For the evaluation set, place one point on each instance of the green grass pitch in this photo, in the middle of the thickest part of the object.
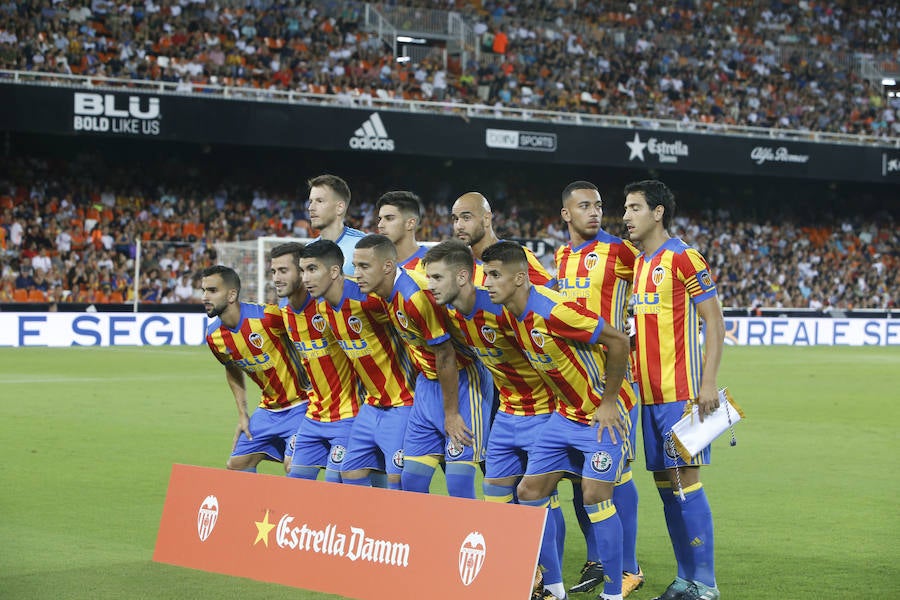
(806, 505)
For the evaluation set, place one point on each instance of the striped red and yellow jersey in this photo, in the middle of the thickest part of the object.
(334, 387)
(560, 340)
(598, 275)
(414, 262)
(260, 347)
(421, 323)
(522, 391)
(537, 274)
(667, 287)
(363, 330)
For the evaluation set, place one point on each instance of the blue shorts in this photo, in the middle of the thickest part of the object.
(511, 438)
(426, 434)
(376, 439)
(573, 448)
(319, 444)
(272, 432)
(656, 422)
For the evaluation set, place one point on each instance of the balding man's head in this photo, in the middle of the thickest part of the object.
(471, 214)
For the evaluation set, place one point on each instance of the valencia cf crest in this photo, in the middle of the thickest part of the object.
(256, 340)
(705, 279)
(355, 325)
(318, 323)
(538, 338)
(471, 557)
(488, 334)
(207, 517)
(658, 275)
(591, 260)
(401, 318)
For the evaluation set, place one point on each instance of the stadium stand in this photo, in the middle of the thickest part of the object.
(800, 65)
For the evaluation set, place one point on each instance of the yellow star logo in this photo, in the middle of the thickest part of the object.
(262, 530)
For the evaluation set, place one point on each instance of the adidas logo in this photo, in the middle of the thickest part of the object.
(372, 136)
(696, 542)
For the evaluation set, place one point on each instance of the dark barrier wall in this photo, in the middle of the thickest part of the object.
(194, 118)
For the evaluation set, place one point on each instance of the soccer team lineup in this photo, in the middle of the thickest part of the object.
(385, 360)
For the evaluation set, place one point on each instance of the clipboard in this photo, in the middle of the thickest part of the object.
(690, 436)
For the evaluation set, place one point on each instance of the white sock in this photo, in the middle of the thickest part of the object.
(557, 589)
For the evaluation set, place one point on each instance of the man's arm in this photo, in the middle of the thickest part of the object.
(607, 414)
(711, 313)
(235, 378)
(448, 376)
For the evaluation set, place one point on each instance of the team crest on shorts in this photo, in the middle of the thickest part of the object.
(489, 334)
(318, 323)
(454, 449)
(401, 318)
(337, 454)
(669, 449)
(256, 340)
(538, 338)
(591, 260)
(398, 459)
(293, 443)
(471, 557)
(355, 325)
(207, 517)
(658, 275)
(601, 462)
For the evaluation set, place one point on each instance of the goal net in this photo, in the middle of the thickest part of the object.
(250, 259)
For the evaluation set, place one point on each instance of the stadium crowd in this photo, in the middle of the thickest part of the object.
(66, 238)
(779, 64)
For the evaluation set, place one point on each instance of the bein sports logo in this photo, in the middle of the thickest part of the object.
(471, 557)
(207, 517)
(511, 139)
(109, 113)
(372, 136)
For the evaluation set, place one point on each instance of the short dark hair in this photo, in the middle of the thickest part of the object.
(507, 253)
(575, 186)
(381, 244)
(656, 193)
(407, 202)
(326, 251)
(295, 249)
(337, 185)
(229, 276)
(454, 252)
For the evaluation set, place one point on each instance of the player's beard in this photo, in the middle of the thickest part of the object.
(476, 236)
(216, 310)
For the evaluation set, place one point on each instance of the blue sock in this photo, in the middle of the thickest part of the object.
(332, 476)
(584, 522)
(364, 481)
(249, 470)
(556, 514)
(394, 485)
(379, 479)
(675, 523)
(698, 525)
(607, 529)
(502, 494)
(625, 497)
(417, 473)
(549, 556)
(299, 472)
(461, 479)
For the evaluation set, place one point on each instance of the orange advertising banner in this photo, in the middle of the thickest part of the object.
(365, 543)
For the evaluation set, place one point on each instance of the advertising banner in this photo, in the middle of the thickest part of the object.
(771, 331)
(366, 543)
(144, 117)
(102, 329)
